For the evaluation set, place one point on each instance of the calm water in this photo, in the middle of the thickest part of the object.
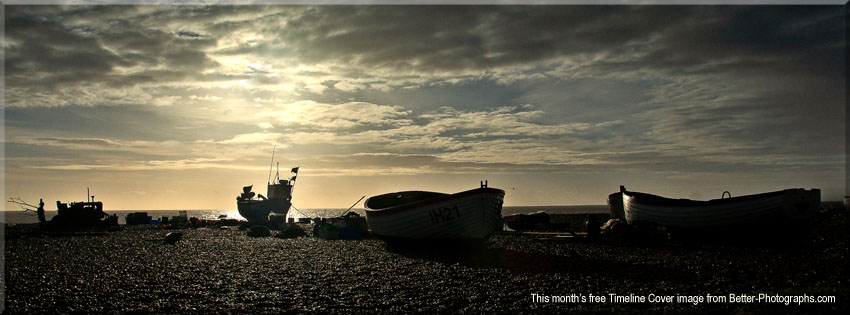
(18, 217)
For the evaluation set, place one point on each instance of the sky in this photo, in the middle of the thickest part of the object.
(178, 107)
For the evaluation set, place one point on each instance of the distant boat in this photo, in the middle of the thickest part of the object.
(278, 199)
(81, 215)
(471, 215)
(779, 206)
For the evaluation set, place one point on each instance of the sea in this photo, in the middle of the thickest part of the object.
(24, 217)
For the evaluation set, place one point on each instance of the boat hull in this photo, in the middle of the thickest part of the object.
(469, 216)
(257, 211)
(780, 206)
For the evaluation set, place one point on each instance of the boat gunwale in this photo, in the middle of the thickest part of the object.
(418, 204)
(655, 200)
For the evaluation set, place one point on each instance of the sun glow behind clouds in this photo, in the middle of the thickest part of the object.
(335, 116)
(604, 95)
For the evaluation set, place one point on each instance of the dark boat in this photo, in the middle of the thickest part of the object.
(257, 210)
(787, 205)
(278, 199)
(81, 216)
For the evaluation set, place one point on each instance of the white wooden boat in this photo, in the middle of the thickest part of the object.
(471, 215)
(787, 205)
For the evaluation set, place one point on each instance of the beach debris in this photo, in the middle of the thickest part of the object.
(615, 230)
(528, 221)
(291, 230)
(179, 221)
(325, 229)
(615, 226)
(353, 226)
(259, 231)
(172, 237)
(137, 218)
(350, 226)
(556, 238)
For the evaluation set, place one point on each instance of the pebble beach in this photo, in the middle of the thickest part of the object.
(223, 270)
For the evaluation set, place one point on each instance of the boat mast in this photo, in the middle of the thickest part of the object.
(270, 168)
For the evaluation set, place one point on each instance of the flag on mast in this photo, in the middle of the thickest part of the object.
(295, 169)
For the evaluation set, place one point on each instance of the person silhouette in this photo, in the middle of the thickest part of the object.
(40, 211)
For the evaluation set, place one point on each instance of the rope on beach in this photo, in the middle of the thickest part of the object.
(296, 210)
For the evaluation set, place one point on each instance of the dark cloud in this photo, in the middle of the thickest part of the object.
(529, 34)
(802, 40)
(188, 34)
(43, 53)
(147, 76)
(188, 59)
(758, 31)
(38, 47)
(453, 38)
(428, 39)
(128, 36)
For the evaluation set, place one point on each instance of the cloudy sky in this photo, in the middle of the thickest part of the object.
(178, 107)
